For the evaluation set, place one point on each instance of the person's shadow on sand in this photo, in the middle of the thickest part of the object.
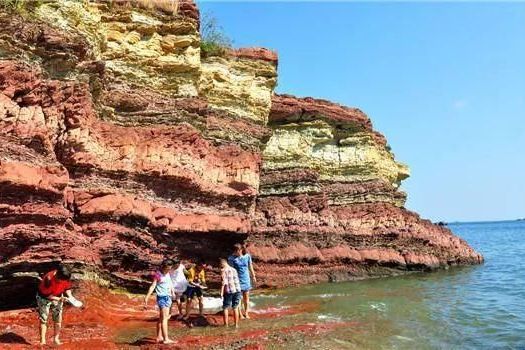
(144, 341)
(12, 338)
(198, 321)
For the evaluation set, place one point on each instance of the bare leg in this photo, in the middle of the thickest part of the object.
(225, 317)
(188, 308)
(43, 330)
(179, 306)
(201, 306)
(159, 328)
(56, 338)
(165, 312)
(236, 317)
(246, 303)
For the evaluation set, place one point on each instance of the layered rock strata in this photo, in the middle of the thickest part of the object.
(120, 145)
(117, 150)
(330, 207)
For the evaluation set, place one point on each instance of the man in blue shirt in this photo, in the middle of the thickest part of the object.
(241, 261)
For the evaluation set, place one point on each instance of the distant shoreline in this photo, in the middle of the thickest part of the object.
(483, 222)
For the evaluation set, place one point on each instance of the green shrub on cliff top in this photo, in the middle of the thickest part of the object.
(214, 41)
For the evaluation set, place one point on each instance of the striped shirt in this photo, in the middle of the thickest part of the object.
(230, 280)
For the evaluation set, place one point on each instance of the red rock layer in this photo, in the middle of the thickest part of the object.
(112, 177)
(288, 108)
(113, 194)
(257, 53)
(340, 230)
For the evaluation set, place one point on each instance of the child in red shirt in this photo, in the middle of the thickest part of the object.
(50, 297)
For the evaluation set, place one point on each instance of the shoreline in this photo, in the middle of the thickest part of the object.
(119, 321)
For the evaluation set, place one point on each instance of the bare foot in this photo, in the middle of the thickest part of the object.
(57, 340)
(43, 342)
(246, 316)
(160, 340)
(168, 341)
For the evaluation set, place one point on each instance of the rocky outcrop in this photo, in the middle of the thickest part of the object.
(330, 207)
(120, 145)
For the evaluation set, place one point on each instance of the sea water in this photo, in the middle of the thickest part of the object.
(474, 307)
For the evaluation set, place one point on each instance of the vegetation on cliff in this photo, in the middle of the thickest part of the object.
(214, 42)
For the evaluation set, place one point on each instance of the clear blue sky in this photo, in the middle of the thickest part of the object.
(445, 82)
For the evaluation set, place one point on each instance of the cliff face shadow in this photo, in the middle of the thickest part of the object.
(12, 338)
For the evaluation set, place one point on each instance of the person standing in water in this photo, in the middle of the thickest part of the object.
(50, 297)
(241, 261)
(230, 292)
(163, 287)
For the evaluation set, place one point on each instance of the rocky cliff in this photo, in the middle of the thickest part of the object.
(121, 144)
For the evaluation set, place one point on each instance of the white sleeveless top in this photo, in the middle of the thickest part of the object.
(180, 283)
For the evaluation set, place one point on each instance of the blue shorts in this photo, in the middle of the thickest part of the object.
(164, 301)
(231, 300)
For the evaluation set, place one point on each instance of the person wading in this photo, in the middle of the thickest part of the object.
(163, 287)
(241, 261)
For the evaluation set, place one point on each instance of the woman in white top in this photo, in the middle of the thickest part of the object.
(180, 283)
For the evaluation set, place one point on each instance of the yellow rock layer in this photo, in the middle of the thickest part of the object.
(161, 53)
(337, 155)
(241, 86)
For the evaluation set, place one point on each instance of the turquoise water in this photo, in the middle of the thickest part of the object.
(478, 307)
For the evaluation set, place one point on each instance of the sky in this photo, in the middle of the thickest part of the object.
(444, 82)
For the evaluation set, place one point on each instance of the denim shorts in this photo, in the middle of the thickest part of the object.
(231, 300)
(164, 301)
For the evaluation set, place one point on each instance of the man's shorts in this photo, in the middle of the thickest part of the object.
(163, 301)
(45, 305)
(231, 300)
(179, 297)
(192, 292)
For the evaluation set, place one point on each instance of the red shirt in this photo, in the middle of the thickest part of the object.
(52, 286)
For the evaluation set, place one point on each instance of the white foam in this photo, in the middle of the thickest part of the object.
(211, 303)
(400, 337)
(381, 307)
(215, 304)
(270, 310)
(329, 318)
(269, 296)
(331, 295)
